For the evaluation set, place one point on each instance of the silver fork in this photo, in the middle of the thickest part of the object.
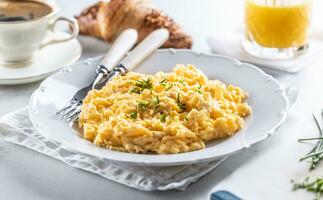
(152, 42)
(118, 50)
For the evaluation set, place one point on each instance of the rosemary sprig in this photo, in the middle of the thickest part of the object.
(315, 186)
(316, 154)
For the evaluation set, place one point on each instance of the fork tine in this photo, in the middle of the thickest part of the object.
(73, 111)
(63, 109)
(74, 117)
(70, 109)
(60, 111)
(71, 114)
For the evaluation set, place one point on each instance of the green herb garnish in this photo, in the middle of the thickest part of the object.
(181, 81)
(163, 117)
(314, 157)
(199, 89)
(142, 105)
(155, 102)
(170, 85)
(315, 186)
(135, 90)
(163, 82)
(144, 84)
(181, 105)
(316, 154)
(141, 85)
(133, 115)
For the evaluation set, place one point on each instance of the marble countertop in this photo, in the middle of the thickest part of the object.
(261, 172)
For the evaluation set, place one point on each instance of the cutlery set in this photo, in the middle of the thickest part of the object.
(111, 65)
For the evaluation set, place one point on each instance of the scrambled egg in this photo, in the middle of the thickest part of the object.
(163, 113)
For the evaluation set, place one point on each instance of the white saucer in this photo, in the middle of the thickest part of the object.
(229, 44)
(49, 60)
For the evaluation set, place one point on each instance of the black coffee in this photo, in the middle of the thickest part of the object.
(11, 11)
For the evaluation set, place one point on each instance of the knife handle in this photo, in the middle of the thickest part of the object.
(119, 48)
(152, 42)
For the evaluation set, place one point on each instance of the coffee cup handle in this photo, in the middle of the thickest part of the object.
(74, 26)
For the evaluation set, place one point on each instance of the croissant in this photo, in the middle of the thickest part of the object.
(106, 20)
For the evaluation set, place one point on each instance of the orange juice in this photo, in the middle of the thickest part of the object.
(278, 26)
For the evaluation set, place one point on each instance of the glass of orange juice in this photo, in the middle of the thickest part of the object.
(277, 29)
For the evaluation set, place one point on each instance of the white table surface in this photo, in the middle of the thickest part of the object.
(262, 172)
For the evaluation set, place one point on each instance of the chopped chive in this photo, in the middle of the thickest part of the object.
(164, 81)
(143, 105)
(163, 117)
(315, 186)
(181, 105)
(135, 90)
(133, 115)
(199, 89)
(316, 154)
(156, 102)
(144, 84)
(306, 139)
(170, 85)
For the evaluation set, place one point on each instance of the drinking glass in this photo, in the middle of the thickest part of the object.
(277, 29)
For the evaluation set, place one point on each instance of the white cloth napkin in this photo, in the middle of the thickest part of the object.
(230, 44)
(16, 128)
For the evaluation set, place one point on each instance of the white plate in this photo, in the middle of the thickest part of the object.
(48, 60)
(267, 100)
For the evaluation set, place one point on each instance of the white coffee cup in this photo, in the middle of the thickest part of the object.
(21, 40)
